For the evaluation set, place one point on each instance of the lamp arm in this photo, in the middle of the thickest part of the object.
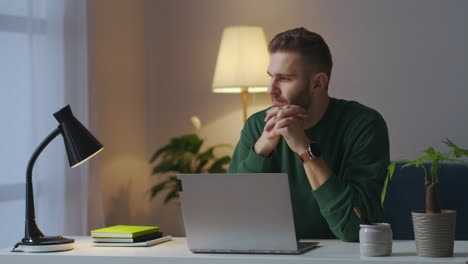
(31, 229)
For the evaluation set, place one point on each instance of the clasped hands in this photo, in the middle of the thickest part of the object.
(283, 121)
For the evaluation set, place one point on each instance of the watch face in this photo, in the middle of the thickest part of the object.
(314, 149)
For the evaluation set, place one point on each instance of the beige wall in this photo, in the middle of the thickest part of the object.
(405, 59)
(118, 74)
(155, 59)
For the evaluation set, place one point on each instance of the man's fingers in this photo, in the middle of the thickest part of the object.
(284, 122)
(285, 111)
(279, 131)
(302, 116)
(270, 124)
(288, 112)
(298, 109)
(278, 122)
(270, 136)
(284, 126)
(271, 113)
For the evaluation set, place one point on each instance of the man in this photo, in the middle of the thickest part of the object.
(335, 152)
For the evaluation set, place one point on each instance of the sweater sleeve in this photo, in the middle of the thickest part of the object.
(359, 182)
(245, 160)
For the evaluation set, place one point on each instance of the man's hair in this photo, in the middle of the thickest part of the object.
(308, 44)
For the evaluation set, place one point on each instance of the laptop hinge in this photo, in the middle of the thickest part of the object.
(179, 185)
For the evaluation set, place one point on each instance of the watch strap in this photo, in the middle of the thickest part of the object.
(305, 156)
(308, 153)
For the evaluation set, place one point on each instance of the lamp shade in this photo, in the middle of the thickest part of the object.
(242, 61)
(80, 144)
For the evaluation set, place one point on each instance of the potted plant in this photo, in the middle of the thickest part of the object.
(183, 155)
(434, 229)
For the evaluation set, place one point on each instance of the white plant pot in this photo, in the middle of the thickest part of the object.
(434, 233)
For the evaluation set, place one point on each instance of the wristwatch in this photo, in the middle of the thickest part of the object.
(312, 152)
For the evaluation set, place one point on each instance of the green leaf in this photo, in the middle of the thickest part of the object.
(200, 166)
(170, 183)
(159, 152)
(186, 143)
(434, 168)
(171, 195)
(181, 155)
(390, 171)
(158, 188)
(458, 152)
(189, 143)
(432, 158)
(166, 166)
(218, 165)
(207, 155)
(417, 163)
(431, 153)
(223, 146)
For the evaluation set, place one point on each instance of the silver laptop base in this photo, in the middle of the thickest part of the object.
(302, 248)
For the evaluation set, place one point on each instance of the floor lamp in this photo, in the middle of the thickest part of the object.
(242, 63)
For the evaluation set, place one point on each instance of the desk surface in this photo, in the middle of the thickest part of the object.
(176, 251)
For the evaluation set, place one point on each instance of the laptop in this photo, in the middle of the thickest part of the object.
(239, 213)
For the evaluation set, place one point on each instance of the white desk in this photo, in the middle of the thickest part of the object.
(330, 252)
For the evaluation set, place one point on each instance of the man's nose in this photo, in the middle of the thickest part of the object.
(273, 88)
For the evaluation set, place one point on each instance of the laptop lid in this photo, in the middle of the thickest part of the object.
(238, 212)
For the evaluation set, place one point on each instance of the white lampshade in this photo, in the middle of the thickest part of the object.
(242, 61)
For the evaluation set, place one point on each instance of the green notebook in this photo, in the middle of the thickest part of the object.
(124, 231)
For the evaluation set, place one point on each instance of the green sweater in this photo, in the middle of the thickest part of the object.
(354, 142)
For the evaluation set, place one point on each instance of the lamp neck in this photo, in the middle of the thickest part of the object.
(245, 101)
(31, 228)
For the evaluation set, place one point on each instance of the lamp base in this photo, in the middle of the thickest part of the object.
(47, 244)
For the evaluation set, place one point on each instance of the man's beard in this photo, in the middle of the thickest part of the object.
(302, 99)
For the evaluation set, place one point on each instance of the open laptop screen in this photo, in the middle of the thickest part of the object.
(238, 213)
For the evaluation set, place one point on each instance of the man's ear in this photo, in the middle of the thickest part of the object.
(320, 81)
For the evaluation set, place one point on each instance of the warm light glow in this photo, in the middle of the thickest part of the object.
(83, 161)
(239, 90)
(242, 61)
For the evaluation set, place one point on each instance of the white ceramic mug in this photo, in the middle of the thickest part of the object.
(375, 240)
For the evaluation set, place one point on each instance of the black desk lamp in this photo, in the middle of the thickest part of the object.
(81, 145)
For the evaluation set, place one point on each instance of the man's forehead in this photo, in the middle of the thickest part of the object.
(282, 62)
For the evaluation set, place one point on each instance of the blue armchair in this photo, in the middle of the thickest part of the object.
(406, 192)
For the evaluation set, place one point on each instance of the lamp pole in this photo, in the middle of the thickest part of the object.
(245, 101)
(32, 234)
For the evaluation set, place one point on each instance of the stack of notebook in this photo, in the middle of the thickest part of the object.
(128, 236)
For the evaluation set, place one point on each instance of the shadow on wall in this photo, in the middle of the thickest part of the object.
(167, 216)
(120, 212)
